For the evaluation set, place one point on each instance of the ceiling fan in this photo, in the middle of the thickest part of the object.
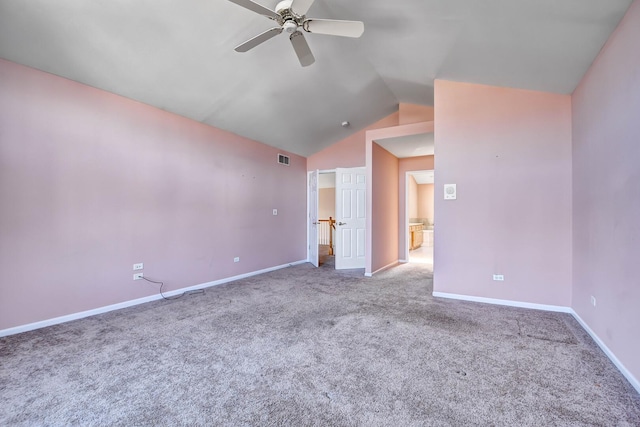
(291, 18)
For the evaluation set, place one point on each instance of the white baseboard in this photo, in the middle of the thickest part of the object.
(545, 307)
(628, 375)
(125, 304)
(557, 308)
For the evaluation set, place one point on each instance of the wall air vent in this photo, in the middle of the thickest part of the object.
(283, 160)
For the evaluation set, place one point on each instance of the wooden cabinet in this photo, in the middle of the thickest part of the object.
(415, 231)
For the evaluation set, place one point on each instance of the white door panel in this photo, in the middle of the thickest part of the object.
(351, 191)
(313, 218)
(361, 233)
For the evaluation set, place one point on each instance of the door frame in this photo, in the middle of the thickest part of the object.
(312, 256)
(320, 171)
(406, 211)
(370, 137)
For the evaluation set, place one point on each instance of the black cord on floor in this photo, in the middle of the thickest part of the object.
(200, 291)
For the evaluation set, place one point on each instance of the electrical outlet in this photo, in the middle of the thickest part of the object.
(275, 211)
(498, 277)
(593, 300)
(236, 259)
(138, 266)
(138, 276)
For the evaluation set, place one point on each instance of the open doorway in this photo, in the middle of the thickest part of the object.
(342, 212)
(414, 147)
(420, 216)
(326, 218)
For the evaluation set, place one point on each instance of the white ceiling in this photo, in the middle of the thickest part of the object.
(178, 56)
(409, 146)
(423, 177)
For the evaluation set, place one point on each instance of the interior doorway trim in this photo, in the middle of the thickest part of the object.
(370, 137)
(407, 235)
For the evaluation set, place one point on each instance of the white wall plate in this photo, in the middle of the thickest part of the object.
(450, 191)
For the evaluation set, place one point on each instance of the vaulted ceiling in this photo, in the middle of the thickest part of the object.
(179, 56)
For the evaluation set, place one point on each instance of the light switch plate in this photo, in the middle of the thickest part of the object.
(450, 192)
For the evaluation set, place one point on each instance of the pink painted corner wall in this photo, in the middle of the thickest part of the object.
(349, 152)
(407, 165)
(425, 205)
(411, 113)
(509, 152)
(326, 203)
(91, 183)
(606, 194)
(384, 211)
(412, 202)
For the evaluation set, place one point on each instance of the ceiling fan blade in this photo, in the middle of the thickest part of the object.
(257, 8)
(302, 49)
(334, 28)
(260, 38)
(301, 7)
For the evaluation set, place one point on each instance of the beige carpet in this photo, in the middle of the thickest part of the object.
(304, 346)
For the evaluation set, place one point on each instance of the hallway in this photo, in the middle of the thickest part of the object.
(422, 255)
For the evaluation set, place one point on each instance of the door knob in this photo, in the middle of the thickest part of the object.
(342, 223)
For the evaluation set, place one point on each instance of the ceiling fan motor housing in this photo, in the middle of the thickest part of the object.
(291, 21)
(284, 7)
(290, 26)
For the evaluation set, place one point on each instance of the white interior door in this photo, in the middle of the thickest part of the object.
(313, 218)
(351, 218)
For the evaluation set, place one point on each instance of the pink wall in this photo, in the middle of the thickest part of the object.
(326, 203)
(91, 183)
(384, 211)
(425, 201)
(606, 194)
(411, 113)
(413, 197)
(404, 166)
(509, 152)
(349, 152)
